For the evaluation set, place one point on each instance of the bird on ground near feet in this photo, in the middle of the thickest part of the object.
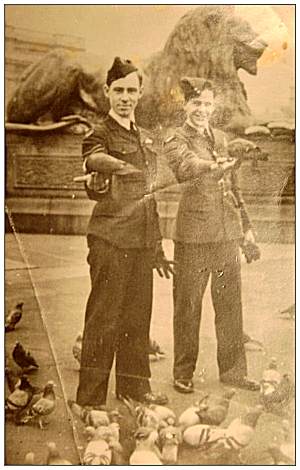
(44, 406)
(14, 317)
(23, 358)
(54, 457)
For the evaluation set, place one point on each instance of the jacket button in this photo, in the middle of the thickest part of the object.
(146, 163)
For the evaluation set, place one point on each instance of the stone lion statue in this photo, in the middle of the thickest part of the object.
(209, 41)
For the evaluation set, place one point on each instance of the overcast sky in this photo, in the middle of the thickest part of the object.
(138, 31)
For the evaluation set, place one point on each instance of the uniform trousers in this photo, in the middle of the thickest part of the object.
(195, 263)
(117, 322)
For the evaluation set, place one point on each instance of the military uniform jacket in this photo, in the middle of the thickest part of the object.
(126, 215)
(211, 208)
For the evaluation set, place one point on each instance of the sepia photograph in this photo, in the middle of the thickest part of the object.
(149, 239)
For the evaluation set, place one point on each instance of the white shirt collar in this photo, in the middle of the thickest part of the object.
(124, 122)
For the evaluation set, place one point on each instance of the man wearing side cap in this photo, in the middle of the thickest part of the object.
(124, 243)
(211, 223)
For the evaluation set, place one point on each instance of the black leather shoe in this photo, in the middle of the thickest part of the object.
(244, 383)
(183, 386)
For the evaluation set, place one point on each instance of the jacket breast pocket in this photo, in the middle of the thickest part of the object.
(123, 150)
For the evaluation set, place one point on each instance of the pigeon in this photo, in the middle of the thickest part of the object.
(170, 437)
(11, 378)
(252, 344)
(111, 435)
(146, 451)
(240, 431)
(30, 458)
(277, 390)
(77, 348)
(54, 457)
(271, 375)
(164, 413)
(216, 413)
(245, 150)
(94, 418)
(147, 418)
(23, 358)
(117, 450)
(19, 399)
(235, 437)
(280, 396)
(202, 435)
(290, 311)
(154, 351)
(190, 416)
(98, 451)
(44, 406)
(14, 317)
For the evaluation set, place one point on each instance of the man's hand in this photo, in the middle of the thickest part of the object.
(228, 164)
(223, 164)
(161, 263)
(249, 248)
(94, 181)
(249, 237)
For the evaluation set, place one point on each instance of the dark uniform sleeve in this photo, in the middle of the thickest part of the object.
(185, 164)
(246, 223)
(236, 190)
(153, 233)
(95, 142)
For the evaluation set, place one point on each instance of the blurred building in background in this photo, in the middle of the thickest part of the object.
(24, 46)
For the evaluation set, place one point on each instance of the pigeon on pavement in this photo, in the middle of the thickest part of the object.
(14, 317)
(54, 457)
(170, 437)
(216, 413)
(11, 378)
(20, 398)
(44, 406)
(23, 358)
(30, 458)
(190, 416)
(146, 451)
(98, 451)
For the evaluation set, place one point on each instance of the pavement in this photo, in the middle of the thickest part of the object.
(50, 274)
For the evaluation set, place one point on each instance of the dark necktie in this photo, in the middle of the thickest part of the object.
(133, 127)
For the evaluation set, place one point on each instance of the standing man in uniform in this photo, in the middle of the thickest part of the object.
(211, 223)
(124, 243)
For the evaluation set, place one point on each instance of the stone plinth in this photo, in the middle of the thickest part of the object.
(41, 196)
(43, 165)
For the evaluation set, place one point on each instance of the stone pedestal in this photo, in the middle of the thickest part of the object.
(41, 196)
